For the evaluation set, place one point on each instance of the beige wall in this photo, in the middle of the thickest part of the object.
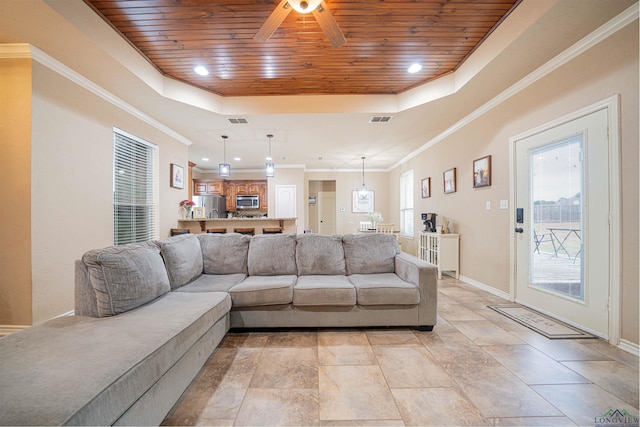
(72, 183)
(15, 193)
(605, 70)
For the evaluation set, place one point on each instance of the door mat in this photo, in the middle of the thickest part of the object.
(544, 325)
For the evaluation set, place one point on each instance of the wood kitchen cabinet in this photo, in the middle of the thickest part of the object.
(246, 188)
(205, 187)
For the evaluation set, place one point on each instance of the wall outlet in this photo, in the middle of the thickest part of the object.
(504, 204)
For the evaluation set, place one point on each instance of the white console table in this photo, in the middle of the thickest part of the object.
(442, 250)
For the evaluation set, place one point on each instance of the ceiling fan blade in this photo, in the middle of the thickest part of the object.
(329, 25)
(273, 22)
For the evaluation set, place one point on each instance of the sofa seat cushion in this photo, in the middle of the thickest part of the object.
(370, 253)
(384, 289)
(125, 277)
(224, 253)
(213, 283)
(272, 255)
(182, 257)
(89, 371)
(263, 290)
(319, 254)
(324, 290)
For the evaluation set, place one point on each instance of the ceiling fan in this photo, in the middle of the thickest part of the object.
(319, 10)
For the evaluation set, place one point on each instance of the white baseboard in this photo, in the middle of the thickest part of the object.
(485, 287)
(629, 347)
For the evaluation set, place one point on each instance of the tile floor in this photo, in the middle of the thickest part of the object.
(477, 367)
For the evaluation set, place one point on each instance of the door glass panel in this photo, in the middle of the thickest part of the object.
(557, 218)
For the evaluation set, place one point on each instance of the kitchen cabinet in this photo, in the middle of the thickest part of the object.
(246, 188)
(205, 187)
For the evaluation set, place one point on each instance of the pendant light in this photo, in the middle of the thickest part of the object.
(224, 169)
(269, 167)
(363, 189)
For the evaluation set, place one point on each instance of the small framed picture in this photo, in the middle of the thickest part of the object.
(426, 188)
(482, 172)
(363, 202)
(449, 181)
(177, 176)
(199, 212)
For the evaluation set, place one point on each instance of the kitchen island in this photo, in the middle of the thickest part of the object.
(287, 225)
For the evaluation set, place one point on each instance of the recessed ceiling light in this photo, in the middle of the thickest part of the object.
(237, 159)
(205, 159)
(201, 70)
(414, 68)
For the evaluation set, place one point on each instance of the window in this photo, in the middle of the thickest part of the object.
(406, 204)
(135, 195)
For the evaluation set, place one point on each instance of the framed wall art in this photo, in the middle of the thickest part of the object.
(426, 188)
(177, 176)
(482, 172)
(449, 181)
(363, 202)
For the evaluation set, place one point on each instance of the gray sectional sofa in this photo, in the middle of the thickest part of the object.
(149, 315)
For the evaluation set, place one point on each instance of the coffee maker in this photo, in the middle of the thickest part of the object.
(429, 221)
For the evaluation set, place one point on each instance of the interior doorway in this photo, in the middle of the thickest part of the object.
(322, 206)
(565, 195)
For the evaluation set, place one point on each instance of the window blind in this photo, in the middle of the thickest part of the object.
(406, 204)
(135, 195)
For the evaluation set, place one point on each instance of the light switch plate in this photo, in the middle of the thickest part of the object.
(342, 209)
(504, 204)
(487, 206)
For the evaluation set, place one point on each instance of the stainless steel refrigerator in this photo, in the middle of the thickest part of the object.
(214, 206)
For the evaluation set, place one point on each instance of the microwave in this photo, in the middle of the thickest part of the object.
(247, 202)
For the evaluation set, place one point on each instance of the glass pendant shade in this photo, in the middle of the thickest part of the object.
(224, 169)
(269, 167)
(362, 189)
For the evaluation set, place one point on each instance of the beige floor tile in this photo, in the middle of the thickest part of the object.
(615, 377)
(562, 350)
(395, 337)
(453, 312)
(245, 339)
(411, 367)
(355, 393)
(533, 366)
(197, 422)
(436, 407)
(455, 348)
(533, 422)
(287, 368)
(615, 353)
(497, 393)
(277, 407)
(582, 402)
(484, 332)
(362, 423)
(344, 348)
(293, 339)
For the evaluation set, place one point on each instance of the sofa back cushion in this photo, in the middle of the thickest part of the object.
(224, 253)
(370, 253)
(272, 255)
(182, 257)
(318, 254)
(126, 277)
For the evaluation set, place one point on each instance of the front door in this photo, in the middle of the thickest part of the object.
(562, 221)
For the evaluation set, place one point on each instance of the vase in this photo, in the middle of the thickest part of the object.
(186, 213)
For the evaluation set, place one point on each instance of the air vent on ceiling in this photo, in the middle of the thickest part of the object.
(239, 121)
(380, 119)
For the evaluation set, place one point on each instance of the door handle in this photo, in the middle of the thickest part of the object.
(519, 230)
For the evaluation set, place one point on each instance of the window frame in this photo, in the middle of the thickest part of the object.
(135, 201)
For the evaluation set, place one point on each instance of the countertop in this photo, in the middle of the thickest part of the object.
(262, 218)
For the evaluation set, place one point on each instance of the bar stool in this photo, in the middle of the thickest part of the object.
(243, 230)
(176, 231)
(221, 230)
(272, 230)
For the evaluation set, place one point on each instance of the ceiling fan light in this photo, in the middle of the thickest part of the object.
(304, 6)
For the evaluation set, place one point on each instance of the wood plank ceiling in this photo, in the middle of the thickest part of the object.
(384, 37)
